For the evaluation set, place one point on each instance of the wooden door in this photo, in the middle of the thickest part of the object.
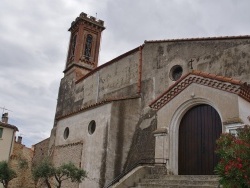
(199, 129)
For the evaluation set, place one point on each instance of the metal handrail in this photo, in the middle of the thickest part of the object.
(141, 162)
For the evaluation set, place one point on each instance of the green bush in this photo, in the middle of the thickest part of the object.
(234, 165)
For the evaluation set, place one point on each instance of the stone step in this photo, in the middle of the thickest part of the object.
(172, 186)
(180, 182)
(183, 177)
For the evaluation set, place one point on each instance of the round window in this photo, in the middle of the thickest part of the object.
(92, 126)
(176, 72)
(66, 133)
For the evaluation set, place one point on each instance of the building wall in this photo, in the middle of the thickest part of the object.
(225, 57)
(68, 153)
(121, 132)
(6, 143)
(124, 132)
(81, 147)
(220, 100)
(40, 151)
(21, 162)
(113, 146)
(244, 107)
(118, 80)
(229, 106)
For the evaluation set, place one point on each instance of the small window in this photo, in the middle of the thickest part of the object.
(176, 72)
(66, 133)
(92, 126)
(73, 46)
(233, 128)
(1, 132)
(88, 46)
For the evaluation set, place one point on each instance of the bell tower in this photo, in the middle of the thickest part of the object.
(84, 45)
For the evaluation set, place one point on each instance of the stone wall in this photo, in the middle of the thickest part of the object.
(65, 154)
(117, 80)
(21, 162)
(40, 151)
(124, 126)
(225, 57)
(120, 77)
(82, 146)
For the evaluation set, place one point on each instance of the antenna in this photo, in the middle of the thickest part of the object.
(96, 15)
(4, 109)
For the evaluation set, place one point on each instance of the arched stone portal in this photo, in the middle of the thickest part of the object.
(199, 129)
(173, 141)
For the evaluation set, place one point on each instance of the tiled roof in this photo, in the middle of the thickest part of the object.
(8, 126)
(211, 80)
(105, 101)
(200, 39)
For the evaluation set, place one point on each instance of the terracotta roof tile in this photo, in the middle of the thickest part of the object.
(200, 39)
(211, 80)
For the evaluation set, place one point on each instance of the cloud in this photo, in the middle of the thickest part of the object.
(34, 42)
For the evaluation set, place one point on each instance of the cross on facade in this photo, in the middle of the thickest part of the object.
(190, 63)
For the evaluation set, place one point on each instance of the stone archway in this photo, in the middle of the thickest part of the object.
(199, 129)
(174, 129)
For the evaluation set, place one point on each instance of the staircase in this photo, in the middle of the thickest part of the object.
(180, 181)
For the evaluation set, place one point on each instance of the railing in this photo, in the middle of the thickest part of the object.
(142, 162)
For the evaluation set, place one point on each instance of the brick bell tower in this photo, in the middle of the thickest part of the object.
(84, 45)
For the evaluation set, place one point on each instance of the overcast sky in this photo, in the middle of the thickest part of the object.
(34, 41)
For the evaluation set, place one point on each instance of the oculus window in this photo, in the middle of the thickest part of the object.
(92, 127)
(176, 72)
(66, 133)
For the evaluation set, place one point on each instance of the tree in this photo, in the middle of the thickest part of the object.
(6, 174)
(46, 172)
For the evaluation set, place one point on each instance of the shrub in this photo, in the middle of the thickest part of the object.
(234, 165)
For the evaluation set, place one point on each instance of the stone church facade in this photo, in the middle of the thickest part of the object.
(166, 101)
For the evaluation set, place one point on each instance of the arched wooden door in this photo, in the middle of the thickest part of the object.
(199, 129)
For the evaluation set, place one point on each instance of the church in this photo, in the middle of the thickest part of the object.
(164, 103)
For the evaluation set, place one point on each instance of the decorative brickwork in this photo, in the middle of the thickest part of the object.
(218, 82)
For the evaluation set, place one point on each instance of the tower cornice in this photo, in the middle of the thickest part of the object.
(88, 20)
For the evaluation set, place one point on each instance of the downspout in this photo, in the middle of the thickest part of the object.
(12, 140)
(139, 70)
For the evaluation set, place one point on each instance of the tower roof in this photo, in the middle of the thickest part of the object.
(83, 17)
